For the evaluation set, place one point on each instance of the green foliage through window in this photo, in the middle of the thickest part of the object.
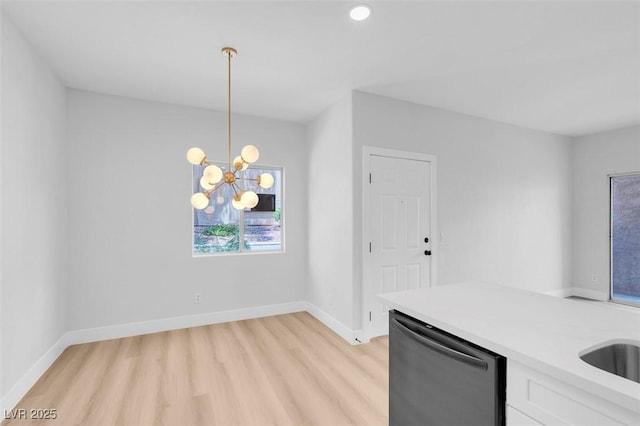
(221, 230)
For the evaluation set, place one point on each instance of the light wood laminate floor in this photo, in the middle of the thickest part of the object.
(285, 370)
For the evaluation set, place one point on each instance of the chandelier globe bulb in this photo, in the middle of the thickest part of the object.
(249, 199)
(240, 164)
(204, 183)
(265, 180)
(212, 173)
(237, 202)
(250, 154)
(196, 156)
(199, 200)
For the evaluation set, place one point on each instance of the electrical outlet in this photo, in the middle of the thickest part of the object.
(594, 277)
(197, 298)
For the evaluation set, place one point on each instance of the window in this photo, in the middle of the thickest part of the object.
(625, 239)
(220, 228)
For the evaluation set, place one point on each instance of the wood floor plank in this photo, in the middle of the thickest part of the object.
(281, 370)
(364, 389)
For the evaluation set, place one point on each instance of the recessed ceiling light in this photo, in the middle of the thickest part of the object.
(360, 12)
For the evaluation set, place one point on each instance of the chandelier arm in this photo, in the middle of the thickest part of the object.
(215, 188)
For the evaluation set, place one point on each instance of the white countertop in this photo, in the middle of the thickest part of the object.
(543, 332)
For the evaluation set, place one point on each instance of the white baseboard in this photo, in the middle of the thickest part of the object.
(339, 328)
(145, 327)
(74, 337)
(590, 294)
(563, 292)
(19, 390)
(579, 292)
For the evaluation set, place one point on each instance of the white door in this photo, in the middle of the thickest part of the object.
(397, 228)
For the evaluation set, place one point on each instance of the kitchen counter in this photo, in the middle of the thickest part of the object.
(543, 332)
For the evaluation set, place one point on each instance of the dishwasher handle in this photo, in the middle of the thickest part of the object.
(446, 350)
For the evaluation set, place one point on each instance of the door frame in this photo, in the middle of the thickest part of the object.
(367, 153)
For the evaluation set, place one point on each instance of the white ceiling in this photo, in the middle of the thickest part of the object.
(563, 67)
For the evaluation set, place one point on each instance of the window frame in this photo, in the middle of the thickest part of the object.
(242, 252)
(612, 298)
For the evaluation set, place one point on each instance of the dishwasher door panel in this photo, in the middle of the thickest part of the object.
(440, 380)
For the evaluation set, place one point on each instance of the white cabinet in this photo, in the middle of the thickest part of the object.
(537, 398)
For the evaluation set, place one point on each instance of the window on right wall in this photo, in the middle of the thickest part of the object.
(625, 238)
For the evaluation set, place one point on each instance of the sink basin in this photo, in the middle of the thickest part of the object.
(622, 359)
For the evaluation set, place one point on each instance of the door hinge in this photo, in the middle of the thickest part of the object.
(369, 316)
(369, 177)
(369, 246)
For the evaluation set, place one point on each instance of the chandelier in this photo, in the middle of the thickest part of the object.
(213, 177)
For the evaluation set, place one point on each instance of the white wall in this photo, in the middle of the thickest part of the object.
(33, 243)
(594, 158)
(504, 192)
(331, 219)
(130, 234)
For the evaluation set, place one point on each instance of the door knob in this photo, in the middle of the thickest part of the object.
(427, 252)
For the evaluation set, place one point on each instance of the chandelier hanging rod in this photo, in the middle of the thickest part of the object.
(229, 52)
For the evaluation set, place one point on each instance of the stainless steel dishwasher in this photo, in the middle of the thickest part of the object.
(438, 379)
